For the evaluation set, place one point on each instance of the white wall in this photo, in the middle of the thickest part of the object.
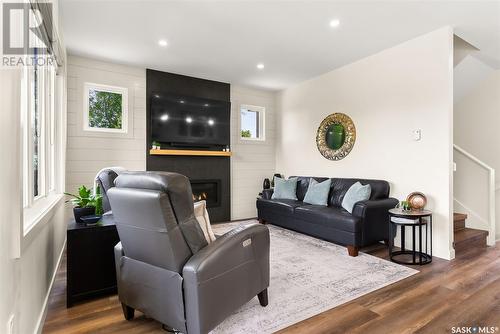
(388, 95)
(476, 120)
(88, 152)
(252, 161)
(27, 263)
(10, 195)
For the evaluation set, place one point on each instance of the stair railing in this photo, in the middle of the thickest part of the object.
(491, 191)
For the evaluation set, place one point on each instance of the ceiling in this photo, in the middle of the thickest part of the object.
(226, 40)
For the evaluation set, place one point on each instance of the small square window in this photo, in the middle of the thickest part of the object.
(106, 108)
(252, 123)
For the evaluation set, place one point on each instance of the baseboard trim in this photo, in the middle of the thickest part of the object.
(43, 313)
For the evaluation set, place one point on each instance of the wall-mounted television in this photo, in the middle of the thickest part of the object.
(189, 121)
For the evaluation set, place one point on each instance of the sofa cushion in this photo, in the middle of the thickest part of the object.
(279, 206)
(317, 193)
(285, 189)
(380, 189)
(356, 193)
(330, 217)
(303, 184)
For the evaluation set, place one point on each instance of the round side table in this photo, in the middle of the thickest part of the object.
(420, 220)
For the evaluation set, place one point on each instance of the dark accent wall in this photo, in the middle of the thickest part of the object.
(194, 167)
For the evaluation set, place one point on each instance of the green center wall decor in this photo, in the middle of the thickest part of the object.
(336, 136)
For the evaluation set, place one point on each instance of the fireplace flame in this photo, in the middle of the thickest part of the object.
(200, 197)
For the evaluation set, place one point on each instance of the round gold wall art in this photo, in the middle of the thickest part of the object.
(336, 136)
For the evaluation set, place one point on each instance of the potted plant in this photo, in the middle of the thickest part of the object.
(86, 203)
(156, 145)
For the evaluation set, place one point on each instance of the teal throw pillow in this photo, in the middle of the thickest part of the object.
(317, 193)
(285, 189)
(355, 194)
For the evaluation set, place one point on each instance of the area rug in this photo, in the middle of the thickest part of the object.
(308, 276)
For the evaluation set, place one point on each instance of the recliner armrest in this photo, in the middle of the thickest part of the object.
(364, 208)
(240, 245)
(227, 273)
(267, 193)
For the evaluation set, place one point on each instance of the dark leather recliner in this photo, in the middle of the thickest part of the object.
(106, 181)
(368, 223)
(163, 263)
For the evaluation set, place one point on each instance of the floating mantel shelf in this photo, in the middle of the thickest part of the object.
(191, 152)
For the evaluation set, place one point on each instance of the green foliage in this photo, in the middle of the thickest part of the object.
(246, 134)
(85, 198)
(105, 110)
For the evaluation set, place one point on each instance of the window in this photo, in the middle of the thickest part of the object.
(39, 123)
(252, 123)
(105, 108)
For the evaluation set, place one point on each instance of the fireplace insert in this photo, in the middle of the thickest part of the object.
(208, 190)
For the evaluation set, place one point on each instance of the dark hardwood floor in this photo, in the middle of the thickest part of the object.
(464, 292)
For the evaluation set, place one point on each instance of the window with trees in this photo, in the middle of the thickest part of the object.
(105, 108)
(252, 122)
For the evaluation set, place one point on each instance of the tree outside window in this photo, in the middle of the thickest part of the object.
(252, 122)
(106, 108)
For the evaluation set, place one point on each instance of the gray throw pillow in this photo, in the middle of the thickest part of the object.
(285, 189)
(317, 193)
(355, 194)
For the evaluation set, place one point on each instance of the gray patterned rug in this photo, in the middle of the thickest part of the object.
(308, 276)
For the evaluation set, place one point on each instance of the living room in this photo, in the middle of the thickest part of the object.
(250, 167)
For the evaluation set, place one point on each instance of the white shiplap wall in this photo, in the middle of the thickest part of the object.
(252, 161)
(88, 152)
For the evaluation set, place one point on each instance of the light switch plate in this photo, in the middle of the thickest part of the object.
(417, 134)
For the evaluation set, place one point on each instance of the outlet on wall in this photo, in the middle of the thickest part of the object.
(10, 325)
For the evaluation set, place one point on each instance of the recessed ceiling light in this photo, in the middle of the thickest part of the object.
(181, 101)
(164, 117)
(162, 42)
(260, 66)
(334, 23)
(189, 119)
(206, 105)
(211, 122)
(157, 96)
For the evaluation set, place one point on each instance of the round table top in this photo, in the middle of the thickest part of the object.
(409, 214)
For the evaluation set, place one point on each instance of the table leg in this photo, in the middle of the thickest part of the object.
(402, 238)
(430, 222)
(426, 237)
(420, 242)
(414, 248)
(391, 239)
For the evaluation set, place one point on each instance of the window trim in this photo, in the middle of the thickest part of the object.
(262, 123)
(123, 91)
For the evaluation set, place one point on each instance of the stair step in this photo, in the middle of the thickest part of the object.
(459, 221)
(469, 238)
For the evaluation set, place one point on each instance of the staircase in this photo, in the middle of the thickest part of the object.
(467, 238)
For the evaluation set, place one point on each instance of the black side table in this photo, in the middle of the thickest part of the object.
(91, 260)
(415, 220)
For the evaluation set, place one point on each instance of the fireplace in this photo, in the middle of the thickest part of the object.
(208, 190)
